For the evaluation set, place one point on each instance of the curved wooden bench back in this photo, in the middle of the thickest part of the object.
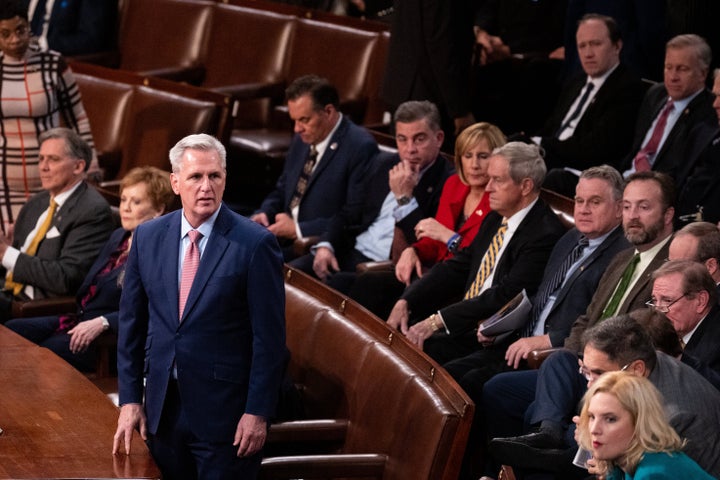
(397, 401)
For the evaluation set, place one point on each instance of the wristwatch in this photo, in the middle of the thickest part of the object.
(404, 200)
(454, 243)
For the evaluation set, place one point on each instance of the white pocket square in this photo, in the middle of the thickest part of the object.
(52, 233)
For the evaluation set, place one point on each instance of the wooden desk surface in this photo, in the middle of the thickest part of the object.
(56, 423)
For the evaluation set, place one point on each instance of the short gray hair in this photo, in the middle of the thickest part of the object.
(609, 175)
(200, 141)
(703, 52)
(416, 110)
(525, 161)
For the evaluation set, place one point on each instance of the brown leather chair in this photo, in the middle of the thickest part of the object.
(166, 38)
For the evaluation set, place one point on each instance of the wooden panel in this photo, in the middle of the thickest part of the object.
(56, 423)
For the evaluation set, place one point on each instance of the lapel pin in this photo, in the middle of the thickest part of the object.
(333, 146)
(479, 212)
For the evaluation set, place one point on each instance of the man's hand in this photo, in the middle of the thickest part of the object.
(420, 332)
(406, 265)
(250, 434)
(493, 48)
(261, 218)
(403, 179)
(399, 316)
(483, 340)
(83, 334)
(520, 349)
(325, 263)
(284, 226)
(131, 418)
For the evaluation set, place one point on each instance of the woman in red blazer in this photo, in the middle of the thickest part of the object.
(463, 204)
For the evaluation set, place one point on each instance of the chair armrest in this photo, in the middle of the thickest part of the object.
(301, 246)
(324, 466)
(308, 430)
(192, 75)
(536, 357)
(383, 266)
(43, 307)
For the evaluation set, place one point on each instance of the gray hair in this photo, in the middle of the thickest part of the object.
(525, 161)
(75, 146)
(609, 175)
(703, 52)
(200, 141)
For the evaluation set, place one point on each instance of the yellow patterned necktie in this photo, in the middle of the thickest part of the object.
(488, 262)
(32, 248)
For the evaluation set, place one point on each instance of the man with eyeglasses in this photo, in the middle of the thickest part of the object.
(686, 293)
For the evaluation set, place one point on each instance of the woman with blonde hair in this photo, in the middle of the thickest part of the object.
(625, 427)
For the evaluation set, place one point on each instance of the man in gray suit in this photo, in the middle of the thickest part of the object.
(621, 343)
(59, 231)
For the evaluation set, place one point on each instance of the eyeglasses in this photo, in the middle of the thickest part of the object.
(591, 376)
(20, 31)
(666, 307)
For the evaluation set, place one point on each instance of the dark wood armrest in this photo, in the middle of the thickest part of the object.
(536, 357)
(384, 266)
(324, 466)
(301, 246)
(308, 430)
(43, 307)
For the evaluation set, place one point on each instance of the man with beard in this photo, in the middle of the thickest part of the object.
(625, 286)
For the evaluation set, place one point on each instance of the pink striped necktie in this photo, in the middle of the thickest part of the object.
(190, 266)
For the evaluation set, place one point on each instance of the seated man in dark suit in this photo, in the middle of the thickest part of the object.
(686, 293)
(322, 183)
(415, 177)
(699, 242)
(508, 255)
(74, 27)
(60, 230)
(593, 120)
(673, 114)
(699, 197)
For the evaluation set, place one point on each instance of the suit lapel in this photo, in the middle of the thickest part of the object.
(169, 262)
(213, 252)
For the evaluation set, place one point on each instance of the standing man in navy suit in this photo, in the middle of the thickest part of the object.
(202, 321)
(321, 186)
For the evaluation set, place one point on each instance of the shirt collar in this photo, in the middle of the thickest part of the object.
(61, 198)
(205, 228)
(321, 146)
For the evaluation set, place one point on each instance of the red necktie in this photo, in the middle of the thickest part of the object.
(190, 266)
(642, 159)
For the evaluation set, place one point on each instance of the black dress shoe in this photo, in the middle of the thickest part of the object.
(538, 451)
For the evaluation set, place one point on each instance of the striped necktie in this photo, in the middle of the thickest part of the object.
(304, 178)
(488, 262)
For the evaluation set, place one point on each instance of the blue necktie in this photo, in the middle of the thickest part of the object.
(36, 25)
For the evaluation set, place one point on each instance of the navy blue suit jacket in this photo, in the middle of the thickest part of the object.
(520, 267)
(682, 138)
(577, 292)
(82, 26)
(229, 348)
(335, 191)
